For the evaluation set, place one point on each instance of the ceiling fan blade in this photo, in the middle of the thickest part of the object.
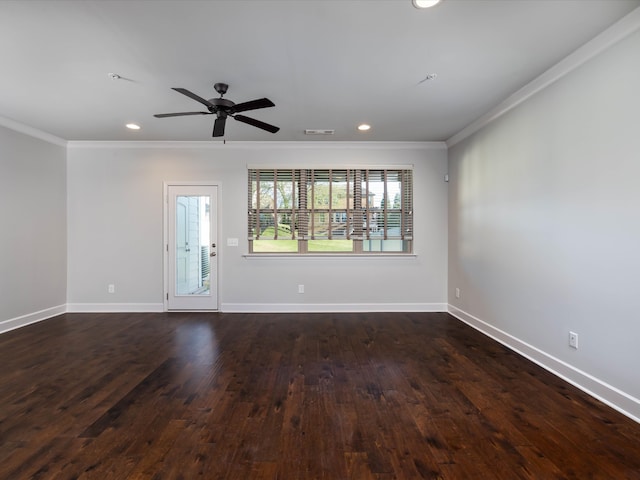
(257, 123)
(253, 105)
(179, 114)
(197, 98)
(218, 126)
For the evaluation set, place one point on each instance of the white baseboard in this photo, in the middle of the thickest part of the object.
(331, 307)
(34, 317)
(608, 394)
(115, 307)
(23, 320)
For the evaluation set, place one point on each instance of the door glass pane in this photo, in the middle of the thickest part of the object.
(193, 245)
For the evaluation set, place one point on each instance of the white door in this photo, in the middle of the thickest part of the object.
(191, 250)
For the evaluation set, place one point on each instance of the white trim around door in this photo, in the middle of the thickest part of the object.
(190, 246)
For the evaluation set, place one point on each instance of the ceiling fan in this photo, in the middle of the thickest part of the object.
(224, 108)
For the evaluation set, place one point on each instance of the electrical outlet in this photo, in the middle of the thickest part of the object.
(111, 288)
(457, 293)
(300, 288)
(573, 340)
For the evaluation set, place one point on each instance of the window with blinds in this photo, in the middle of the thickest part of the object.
(330, 210)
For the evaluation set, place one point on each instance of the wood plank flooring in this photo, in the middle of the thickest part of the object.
(292, 396)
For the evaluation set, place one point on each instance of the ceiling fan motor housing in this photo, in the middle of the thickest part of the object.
(222, 104)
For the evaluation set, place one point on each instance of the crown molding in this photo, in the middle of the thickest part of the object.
(626, 26)
(32, 132)
(260, 145)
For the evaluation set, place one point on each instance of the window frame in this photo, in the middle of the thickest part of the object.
(361, 218)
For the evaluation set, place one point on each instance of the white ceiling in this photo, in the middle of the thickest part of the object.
(326, 64)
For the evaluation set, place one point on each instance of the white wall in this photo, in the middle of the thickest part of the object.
(33, 259)
(544, 226)
(115, 229)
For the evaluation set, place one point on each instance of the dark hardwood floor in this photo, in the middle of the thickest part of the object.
(292, 396)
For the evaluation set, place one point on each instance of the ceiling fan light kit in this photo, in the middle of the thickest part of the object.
(223, 108)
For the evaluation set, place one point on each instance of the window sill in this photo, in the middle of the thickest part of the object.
(332, 255)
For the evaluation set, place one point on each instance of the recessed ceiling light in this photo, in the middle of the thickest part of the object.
(425, 3)
(133, 126)
(364, 127)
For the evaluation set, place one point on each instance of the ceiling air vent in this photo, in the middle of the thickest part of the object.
(310, 131)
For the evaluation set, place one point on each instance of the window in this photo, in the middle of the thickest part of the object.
(302, 211)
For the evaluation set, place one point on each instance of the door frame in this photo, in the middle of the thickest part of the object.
(165, 237)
